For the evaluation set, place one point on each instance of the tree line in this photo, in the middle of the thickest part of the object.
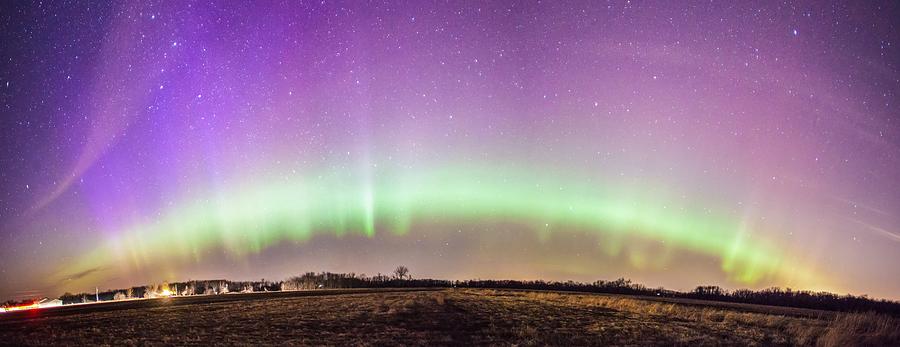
(401, 278)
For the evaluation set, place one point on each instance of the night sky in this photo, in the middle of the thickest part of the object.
(734, 143)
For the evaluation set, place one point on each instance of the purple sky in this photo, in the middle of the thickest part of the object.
(775, 124)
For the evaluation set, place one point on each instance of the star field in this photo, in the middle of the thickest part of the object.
(746, 144)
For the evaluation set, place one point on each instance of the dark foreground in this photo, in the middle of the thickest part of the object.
(438, 317)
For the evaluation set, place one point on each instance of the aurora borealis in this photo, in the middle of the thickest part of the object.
(676, 144)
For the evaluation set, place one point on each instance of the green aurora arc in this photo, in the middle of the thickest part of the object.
(251, 218)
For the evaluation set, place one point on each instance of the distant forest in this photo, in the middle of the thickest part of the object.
(401, 279)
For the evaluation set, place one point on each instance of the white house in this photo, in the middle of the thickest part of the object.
(46, 302)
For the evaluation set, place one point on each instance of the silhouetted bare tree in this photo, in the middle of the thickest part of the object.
(401, 272)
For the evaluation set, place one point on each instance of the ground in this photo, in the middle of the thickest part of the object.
(439, 317)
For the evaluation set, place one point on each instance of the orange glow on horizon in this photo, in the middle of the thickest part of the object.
(32, 306)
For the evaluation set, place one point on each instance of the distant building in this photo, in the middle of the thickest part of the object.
(47, 302)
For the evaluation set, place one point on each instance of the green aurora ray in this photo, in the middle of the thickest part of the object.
(251, 218)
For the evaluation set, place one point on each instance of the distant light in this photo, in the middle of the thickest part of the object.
(795, 32)
(32, 306)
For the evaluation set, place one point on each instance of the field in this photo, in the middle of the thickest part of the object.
(439, 317)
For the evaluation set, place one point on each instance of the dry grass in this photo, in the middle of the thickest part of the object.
(450, 317)
(862, 329)
(841, 329)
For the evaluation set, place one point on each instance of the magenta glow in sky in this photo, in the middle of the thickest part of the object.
(677, 144)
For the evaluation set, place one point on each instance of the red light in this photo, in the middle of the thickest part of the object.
(31, 306)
